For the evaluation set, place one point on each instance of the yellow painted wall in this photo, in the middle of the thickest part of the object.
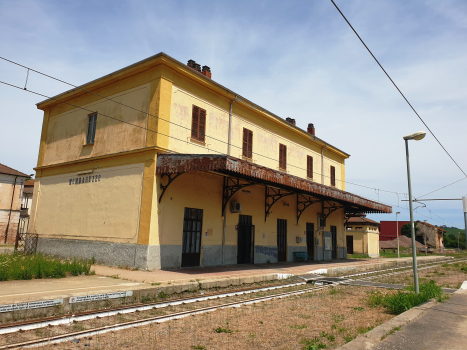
(105, 210)
(66, 132)
(365, 240)
(204, 191)
(266, 136)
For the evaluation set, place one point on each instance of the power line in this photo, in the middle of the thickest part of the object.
(168, 121)
(452, 183)
(393, 83)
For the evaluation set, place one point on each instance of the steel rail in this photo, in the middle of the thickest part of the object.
(156, 319)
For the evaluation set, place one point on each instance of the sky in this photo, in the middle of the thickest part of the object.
(297, 59)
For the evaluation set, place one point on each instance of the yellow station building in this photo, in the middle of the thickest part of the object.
(158, 166)
(362, 236)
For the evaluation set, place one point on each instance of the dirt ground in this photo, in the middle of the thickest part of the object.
(323, 319)
(445, 275)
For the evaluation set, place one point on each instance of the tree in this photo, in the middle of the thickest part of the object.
(407, 231)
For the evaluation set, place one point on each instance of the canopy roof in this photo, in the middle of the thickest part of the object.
(231, 166)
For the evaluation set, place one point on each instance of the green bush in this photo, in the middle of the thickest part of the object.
(405, 300)
(15, 266)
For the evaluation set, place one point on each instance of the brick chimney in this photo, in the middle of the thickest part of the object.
(290, 121)
(193, 65)
(311, 129)
(206, 71)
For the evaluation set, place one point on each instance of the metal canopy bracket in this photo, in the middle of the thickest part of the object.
(272, 196)
(170, 178)
(230, 187)
(304, 202)
(329, 209)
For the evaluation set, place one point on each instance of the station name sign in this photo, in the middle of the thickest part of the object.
(84, 179)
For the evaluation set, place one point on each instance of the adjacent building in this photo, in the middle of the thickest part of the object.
(362, 236)
(26, 202)
(11, 186)
(158, 166)
(426, 234)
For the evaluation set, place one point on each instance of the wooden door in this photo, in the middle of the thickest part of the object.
(281, 240)
(245, 241)
(192, 228)
(310, 240)
(334, 241)
(349, 244)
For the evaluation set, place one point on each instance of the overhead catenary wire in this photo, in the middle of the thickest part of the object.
(168, 121)
(393, 83)
(452, 183)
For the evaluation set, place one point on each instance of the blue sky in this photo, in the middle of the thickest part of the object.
(298, 59)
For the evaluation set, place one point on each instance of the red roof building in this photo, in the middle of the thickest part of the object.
(388, 229)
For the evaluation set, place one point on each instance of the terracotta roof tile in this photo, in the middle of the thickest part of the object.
(29, 183)
(404, 242)
(361, 220)
(10, 171)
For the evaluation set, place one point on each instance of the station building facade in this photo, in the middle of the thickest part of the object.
(158, 166)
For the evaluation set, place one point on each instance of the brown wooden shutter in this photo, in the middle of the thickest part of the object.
(333, 176)
(309, 167)
(202, 124)
(195, 122)
(282, 156)
(245, 142)
(250, 144)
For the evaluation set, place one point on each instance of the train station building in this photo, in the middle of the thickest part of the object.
(158, 166)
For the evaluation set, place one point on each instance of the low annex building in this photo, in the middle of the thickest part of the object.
(158, 166)
(11, 187)
(362, 236)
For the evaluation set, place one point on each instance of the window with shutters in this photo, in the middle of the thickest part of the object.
(333, 176)
(309, 167)
(282, 157)
(247, 143)
(198, 124)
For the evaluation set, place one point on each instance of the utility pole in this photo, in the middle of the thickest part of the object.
(464, 202)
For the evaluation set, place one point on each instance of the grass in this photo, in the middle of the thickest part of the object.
(313, 344)
(404, 300)
(14, 266)
(358, 256)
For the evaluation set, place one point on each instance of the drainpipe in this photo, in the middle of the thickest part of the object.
(322, 162)
(230, 132)
(11, 208)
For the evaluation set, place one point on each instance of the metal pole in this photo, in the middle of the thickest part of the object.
(464, 202)
(397, 233)
(414, 250)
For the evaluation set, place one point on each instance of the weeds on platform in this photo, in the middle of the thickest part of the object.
(14, 266)
(404, 300)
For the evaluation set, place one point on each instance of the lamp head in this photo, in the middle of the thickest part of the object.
(398, 212)
(415, 136)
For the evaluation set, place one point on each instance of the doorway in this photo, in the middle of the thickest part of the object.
(191, 247)
(349, 241)
(281, 240)
(310, 240)
(246, 240)
(334, 241)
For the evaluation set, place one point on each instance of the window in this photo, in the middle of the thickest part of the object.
(309, 167)
(198, 123)
(92, 120)
(282, 156)
(333, 176)
(247, 143)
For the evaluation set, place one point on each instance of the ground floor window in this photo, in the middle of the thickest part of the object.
(192, 227)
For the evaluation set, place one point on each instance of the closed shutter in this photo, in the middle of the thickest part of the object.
(282, 156)
(333, 176)
(247, 143)
(195, 122)
(202, 124)
(309, 167)
(198, 123)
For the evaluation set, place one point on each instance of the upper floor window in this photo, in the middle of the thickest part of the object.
(333, 176)
(282, 156)
(198, 124)
(247, 143)
(309, 167)
(92, 120)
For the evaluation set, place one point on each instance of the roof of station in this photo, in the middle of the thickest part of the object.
(227, 165)
(10, 171)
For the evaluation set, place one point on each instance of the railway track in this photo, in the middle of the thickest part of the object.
(67, 320)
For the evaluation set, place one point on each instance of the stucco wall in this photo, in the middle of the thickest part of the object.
(105, 207)
(204, 191)
(266, 137)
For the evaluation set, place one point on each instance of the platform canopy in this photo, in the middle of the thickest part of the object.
(244, 173)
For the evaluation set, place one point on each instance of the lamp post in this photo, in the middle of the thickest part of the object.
(397, 233)
(415, 136)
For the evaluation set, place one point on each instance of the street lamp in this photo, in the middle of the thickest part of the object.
(397, 233)
(415, 136)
